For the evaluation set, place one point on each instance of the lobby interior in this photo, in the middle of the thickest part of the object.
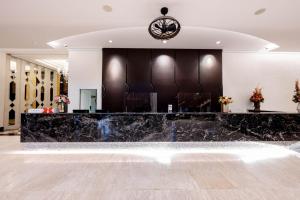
(142, 99)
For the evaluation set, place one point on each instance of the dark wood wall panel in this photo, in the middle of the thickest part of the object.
(163, 78)
(114, 66)
(139, 70)
(163, 65)
(210, 75)
(210, 68)
(114, 79)
(113, 98)
(186, 71)
(164, 71)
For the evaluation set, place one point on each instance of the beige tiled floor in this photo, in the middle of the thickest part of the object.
(208, 175)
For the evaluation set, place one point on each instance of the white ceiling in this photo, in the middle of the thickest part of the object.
(54, 59)
(33, 23)
(188, 38)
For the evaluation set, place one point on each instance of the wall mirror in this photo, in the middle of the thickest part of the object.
(51, 94)
(43, 74)
(27, 90)
(51, 76)
(11, 117)
(88, 100)
(42, 93)
(12, 91)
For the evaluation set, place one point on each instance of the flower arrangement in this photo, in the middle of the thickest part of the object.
(61, 99)
(225, 100)
(257, 96)
(296, 97)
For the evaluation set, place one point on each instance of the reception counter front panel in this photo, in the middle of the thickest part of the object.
(159, 127)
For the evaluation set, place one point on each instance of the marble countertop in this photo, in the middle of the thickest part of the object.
(160, 127)
(173, 113)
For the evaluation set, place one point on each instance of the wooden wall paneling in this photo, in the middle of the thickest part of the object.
(164, 71)
(187, 70)
(163, 78)
(211, 74)
(139, 70)
(114, 79)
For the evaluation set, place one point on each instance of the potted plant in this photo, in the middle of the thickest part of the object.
(257, 98)
(61, 101)
(225, 101)
(296, 97)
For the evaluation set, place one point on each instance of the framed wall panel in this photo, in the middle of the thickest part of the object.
(114, 79)
(163, 78)
(26, 90)
(167, 72)
(139, 70)
(187, 70)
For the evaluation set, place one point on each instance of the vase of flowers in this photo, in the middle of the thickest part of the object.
(225, 101)
(61, 101)
(296, 97)
(257, 98)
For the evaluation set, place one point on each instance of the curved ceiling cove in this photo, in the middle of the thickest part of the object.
(190, 38)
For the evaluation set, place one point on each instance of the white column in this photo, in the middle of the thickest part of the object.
(85, 72)
(2, 86)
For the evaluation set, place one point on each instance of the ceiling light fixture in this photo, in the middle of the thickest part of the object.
(110, 41)
(53, 44)
(107, 8)
(164, 41)
(260, 11)
(271, 46)
(218, 42)
(13, 66)
(27, 68)
(164, 27)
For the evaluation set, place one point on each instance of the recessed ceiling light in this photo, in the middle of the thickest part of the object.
(107, 8)
(218, 42)
(164, 41)
(110, 41)
(27, 68)
(65, 45)
(53, 44)
(271, 46)
(260, 11)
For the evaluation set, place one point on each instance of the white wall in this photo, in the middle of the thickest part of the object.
(85, 72)
(276, 73)
(2, 85)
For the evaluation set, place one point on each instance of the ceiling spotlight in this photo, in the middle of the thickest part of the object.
(164, 41)
(53, 44)
(27, 68)
(107, 8)
(110, 41)
(260, 11)
(271, 46)
(218, 42)
(65, 45)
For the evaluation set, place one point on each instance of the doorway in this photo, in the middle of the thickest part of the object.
(88, 100)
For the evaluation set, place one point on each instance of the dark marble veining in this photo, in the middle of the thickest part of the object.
(160, 127)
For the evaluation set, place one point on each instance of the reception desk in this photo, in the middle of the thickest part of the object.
(160, 127)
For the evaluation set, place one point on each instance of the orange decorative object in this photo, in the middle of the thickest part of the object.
(48, 110)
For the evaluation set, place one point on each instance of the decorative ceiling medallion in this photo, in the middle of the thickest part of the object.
(164, 27)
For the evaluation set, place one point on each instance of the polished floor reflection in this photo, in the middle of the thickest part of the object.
(206, 171)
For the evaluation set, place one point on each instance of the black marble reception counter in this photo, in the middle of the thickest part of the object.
(160, 127)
